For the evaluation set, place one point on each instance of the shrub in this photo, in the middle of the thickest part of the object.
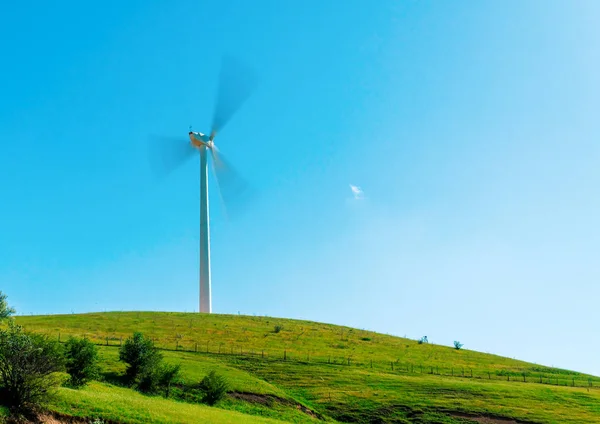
(457, 345)
(27, 364)
(5, 310)
(169, 374)
(213, 388)
(277, 328)
(160, 377)
(142, 359)
(81, 361)
(423, 340)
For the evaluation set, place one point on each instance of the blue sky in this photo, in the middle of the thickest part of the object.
(471, 127)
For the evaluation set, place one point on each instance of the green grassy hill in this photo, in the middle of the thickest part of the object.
(300, 371)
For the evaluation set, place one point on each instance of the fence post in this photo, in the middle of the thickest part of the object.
(489, 376)
(196, 347)
(573, 382)
(285, 355)
(59, 336)
(371, 363)
(106, 340)
(392, 365)
(471, 372)
(348, 360)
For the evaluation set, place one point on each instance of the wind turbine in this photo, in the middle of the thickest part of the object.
(236, 83)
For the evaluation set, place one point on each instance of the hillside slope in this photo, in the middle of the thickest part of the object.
(301, 371)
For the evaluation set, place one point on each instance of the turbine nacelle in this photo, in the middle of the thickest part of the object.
(199, 139)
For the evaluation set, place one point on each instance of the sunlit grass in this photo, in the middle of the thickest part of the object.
(126, 406)
(337, 372)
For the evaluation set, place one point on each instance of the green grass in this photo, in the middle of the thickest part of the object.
(298, 340)
(339, 373)
(126, 406)
(354, 393)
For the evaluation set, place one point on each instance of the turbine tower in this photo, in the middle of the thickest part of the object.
(236, 83)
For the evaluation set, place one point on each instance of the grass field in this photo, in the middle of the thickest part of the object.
(124, 405)
(306, 371)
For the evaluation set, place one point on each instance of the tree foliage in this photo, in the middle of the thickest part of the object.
(81, 361)
(27, 364)
(213, 387)
(5, 310)
(168, 375)
(142, 358)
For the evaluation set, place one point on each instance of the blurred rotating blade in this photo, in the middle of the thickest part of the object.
(236, 84)
(166, 154)
(232, 187)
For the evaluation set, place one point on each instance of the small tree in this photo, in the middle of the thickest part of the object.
(277, 328)
(161, 376)
(168, 375)
(5, 310)
(81, 361)
(142, 359)
(27, 364)
(213, 387)
(423, 340)
(457, 345)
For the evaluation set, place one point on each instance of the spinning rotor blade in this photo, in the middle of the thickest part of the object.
(236, 83)
(231, 186)
(168, 153)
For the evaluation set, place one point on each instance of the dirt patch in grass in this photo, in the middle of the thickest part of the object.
(269, 400)
(55, 418)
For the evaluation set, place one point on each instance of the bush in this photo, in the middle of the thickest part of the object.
(160, 377)
(457, 345)
(277, 328)
(142, 359)
(5, 310)
(81, 361)
(169, 374)
(27, 364)
(213, 388)
(423, 340)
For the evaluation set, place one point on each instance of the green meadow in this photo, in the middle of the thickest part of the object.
(301, 371)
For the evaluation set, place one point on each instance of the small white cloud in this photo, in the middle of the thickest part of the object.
(358, 193)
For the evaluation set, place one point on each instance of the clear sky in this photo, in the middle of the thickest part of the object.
(471, 127)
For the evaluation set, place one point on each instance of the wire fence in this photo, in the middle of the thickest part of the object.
(231, 350)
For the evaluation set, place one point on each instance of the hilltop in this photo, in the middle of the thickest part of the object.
(302, 371)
